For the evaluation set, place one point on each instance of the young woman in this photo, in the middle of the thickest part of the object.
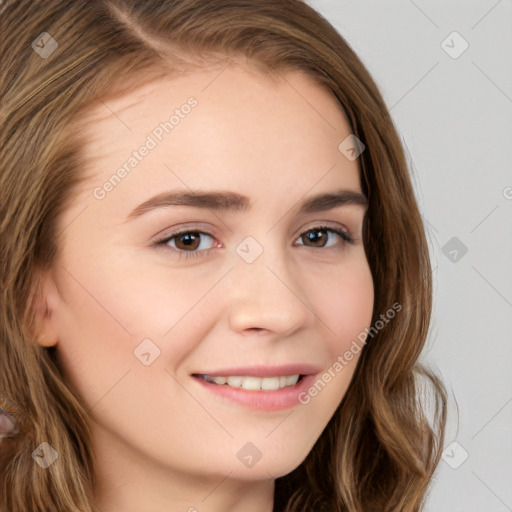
(215, 279)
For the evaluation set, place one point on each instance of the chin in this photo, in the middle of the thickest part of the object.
(275, 466)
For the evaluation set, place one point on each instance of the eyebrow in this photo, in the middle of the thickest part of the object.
(232, 201)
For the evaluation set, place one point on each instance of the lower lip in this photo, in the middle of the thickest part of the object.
(274, 400)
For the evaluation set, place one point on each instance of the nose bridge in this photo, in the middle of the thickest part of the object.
(263, 289)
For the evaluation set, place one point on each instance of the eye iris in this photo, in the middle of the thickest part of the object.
(313, 236)
(191, 240)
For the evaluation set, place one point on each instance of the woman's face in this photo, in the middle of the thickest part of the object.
(255, 289)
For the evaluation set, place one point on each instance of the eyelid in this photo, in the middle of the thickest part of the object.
(205, 229)
(327, 225)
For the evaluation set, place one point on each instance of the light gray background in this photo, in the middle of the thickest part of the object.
(454, 116)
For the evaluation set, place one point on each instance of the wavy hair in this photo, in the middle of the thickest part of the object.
(380, 449)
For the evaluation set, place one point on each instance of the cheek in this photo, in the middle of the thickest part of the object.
(116, 318)
(344, 308)
(345, 305)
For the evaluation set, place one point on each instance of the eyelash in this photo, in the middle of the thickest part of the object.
(347, 239)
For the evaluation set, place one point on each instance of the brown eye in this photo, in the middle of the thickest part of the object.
(318, 237)
(188, 243)
(189, 240)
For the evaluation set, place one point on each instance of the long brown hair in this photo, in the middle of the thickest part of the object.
(381, 447)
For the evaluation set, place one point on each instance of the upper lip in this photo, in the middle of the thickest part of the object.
(263, 371)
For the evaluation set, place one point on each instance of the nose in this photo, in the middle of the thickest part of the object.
(265, 296)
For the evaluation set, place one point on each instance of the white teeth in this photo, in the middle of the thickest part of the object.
(255, 383)
(252, 383)
(269, 383)
(291, 380)
(235, 382)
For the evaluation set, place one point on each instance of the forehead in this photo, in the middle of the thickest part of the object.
(244, 126)
(238, 86)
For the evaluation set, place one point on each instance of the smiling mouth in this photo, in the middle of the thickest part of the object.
(253, 383)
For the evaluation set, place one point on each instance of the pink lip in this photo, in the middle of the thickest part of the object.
(263, 371)
(275, 400)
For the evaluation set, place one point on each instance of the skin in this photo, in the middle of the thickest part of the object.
(162, 442)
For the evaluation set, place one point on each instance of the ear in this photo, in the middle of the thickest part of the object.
(45, 302)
